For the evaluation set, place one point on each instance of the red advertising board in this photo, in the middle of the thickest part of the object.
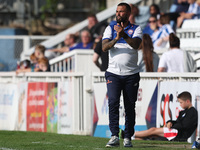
(36, 106)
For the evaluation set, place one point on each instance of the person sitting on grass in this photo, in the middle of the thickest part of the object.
(179, 130)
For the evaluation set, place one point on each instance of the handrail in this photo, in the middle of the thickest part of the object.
(161, 75)
(12, 77)
(70, 54)
(41, 74)
(142, 74)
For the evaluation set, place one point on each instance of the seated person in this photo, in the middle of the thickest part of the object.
(95, 27)
(24, 64)
(154, 9)
(38, 54)
(70, 42)
(161, 37)
(134, 13)
(152, 26)
(86, 41)
(182, 128)
(43, 65)
(198, 10)
(181, 5)
(33, 59)
(178, 7)
(39, 51)
(140, 15)
(190, 14)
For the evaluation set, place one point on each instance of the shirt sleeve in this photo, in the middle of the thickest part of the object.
(107, 33)
(162, 62)
(170, 30)
(138, 33)
(193, 8)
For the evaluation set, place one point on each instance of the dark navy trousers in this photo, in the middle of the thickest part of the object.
(129, 86)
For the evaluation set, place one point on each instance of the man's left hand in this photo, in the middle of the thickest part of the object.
(120, 30)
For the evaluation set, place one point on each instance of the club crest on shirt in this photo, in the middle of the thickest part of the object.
(130, 31)
(183, 115)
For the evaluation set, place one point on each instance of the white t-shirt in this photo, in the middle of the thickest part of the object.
(122, 57)
(163, 31)
(172, 61)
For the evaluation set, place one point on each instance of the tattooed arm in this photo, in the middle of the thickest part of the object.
(134, 43)
(107, 44)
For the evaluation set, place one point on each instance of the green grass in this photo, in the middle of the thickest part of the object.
(15, 140)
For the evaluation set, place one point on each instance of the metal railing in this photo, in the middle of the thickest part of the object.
(12, 77)
(74, 61)
(100, 76)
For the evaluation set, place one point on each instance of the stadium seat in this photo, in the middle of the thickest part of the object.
(197, 59)
(190, 44)
(189, 28)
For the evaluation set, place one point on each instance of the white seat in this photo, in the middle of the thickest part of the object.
(191, 24)
(189, 28)
(190, 44)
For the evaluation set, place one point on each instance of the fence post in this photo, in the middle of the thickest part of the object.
(26, 47)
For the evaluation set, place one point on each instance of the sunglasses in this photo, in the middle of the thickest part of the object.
(154, 21)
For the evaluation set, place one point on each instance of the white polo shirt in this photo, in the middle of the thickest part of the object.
(122, 57)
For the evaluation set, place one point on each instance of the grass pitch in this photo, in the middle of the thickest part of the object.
(16, 140)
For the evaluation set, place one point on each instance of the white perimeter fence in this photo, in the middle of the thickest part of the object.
(83, 91)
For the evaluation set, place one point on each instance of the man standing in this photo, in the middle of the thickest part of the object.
(122, 40)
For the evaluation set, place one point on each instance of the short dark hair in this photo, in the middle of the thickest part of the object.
(92, 15)
(153, 16)
(157, 8)
(185, 96)
(73, 36)
(164, 19)
(128, 7)
(40, 48)
(174, 41)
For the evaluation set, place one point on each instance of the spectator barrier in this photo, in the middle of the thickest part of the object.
(62, 103)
